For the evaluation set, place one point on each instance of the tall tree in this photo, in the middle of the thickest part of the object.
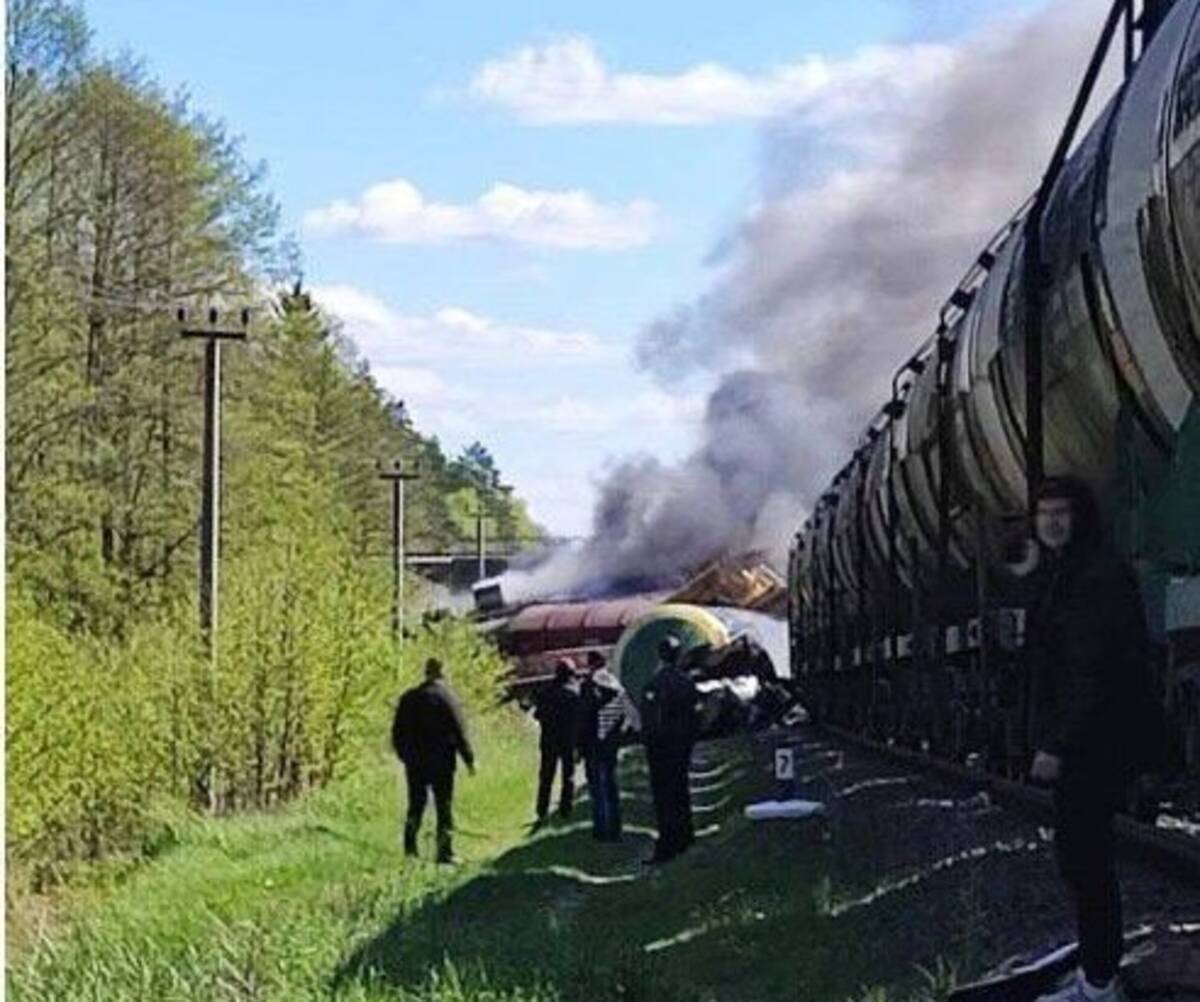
(121, 204)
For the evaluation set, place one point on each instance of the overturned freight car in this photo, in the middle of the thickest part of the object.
(737, 657)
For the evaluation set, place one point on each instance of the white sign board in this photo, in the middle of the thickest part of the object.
(785, 763)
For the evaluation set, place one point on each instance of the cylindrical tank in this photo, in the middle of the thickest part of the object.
(1120, 243)
(732, 672)
(636, 653)
(921, 628)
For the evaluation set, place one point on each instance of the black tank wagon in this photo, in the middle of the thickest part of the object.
(1071, 346)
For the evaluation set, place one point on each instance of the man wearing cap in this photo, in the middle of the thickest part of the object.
(607, 713)
(558, 714)
(428, 736)
(669, 728)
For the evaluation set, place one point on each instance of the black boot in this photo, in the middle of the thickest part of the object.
(445, 851)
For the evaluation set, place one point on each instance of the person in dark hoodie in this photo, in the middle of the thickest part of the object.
(1091, 714)
(558, 714)
(428, 736)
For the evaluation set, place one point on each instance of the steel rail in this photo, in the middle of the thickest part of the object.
(1179, 854)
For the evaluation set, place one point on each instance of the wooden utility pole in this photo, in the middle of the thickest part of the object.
(481, 518)
(210, 474)
(210, 489)
(484, 510)
(398, 477)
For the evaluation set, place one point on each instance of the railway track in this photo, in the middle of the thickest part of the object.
(970, 856)
(1174, 851)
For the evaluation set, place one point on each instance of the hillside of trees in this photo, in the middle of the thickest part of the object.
(124, 203)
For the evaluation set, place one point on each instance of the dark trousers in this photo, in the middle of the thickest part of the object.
(423, 777)
(552, 758)
(1083, 844)
(672, 799)
(601, 769)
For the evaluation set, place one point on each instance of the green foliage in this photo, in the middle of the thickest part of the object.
(266, 905)
(473, 668)
(122, 204)
(940, 979)
(303, 651)
(98, 737)
(109, 739)
(473, 480)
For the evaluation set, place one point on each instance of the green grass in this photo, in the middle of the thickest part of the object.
(318, 902)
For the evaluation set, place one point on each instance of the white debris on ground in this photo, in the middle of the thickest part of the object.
(770, 810)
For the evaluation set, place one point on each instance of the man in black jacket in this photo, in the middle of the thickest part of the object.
(669, 728)
(428, 735)
(1092, 714)
(558, 713)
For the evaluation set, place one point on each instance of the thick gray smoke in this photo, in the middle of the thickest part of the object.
(652, 520)
(870, 214)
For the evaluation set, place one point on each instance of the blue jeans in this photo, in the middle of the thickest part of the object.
(601, 768)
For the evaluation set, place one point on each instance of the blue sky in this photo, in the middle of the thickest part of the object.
(497, 200)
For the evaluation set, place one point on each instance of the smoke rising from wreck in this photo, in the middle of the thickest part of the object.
(869, 214)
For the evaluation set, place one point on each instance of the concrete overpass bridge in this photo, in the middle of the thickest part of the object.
(458, 569)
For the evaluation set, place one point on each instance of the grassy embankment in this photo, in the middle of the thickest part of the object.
(317, 901)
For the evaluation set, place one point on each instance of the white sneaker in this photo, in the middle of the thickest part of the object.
(1078, 991)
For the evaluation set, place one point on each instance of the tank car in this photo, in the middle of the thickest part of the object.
(538, 636)
(736, 657)
(1071, 346)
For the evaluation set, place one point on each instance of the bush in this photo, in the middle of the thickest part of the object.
(110, 738)
(97, 736)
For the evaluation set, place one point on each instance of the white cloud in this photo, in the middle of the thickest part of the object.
(566, 81)
(396, 212)
(561, 499)
(414, 384)
(864, 224)
(650, 408)
(453, 333)
(668, 408)
(355, 308)
(448, 409)
(443, 366)
(563, 493)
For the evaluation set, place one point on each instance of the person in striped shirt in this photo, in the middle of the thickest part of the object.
(608, 713)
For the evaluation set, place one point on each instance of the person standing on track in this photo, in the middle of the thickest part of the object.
(669, 728)
(558, 713)
(428, 736)
(1092, 713)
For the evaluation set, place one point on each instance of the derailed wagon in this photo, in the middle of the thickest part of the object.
(537, 636)
(737, 658)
